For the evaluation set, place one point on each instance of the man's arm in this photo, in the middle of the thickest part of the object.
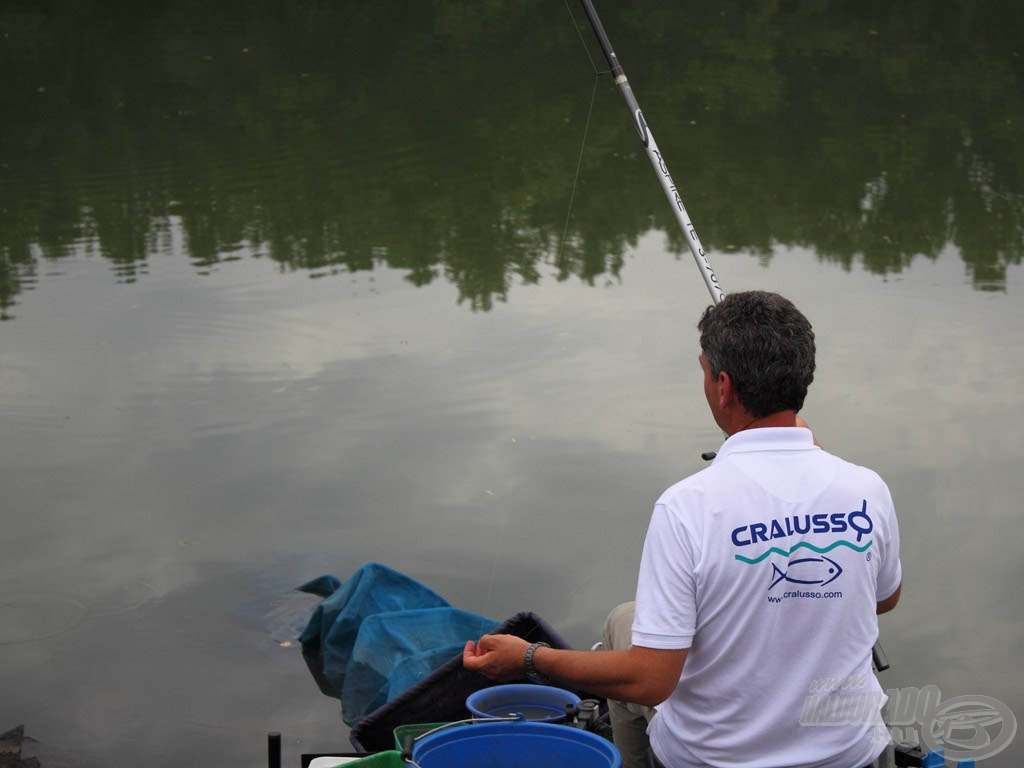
(640, 675)
(884, 606)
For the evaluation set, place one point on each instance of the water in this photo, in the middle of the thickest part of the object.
(288, 288)
(527, 712)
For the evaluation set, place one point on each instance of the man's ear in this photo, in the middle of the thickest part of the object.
(726, 391)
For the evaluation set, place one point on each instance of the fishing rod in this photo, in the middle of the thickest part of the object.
(879, 658)
(657, 159)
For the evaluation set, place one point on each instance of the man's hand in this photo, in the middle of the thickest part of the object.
(499, 657)
(801, 423)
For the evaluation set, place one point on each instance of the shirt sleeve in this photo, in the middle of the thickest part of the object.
(666, 609)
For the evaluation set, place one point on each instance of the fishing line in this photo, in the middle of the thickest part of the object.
(583, 42)
(579, 166)
(598, 74)
(586, 129)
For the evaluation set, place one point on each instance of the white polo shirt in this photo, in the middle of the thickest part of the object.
(767, 565)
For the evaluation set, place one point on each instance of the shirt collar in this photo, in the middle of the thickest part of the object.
(767, 439)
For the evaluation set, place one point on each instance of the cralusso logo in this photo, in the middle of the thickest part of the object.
(806, 571)
(858, 521)
(815, 569)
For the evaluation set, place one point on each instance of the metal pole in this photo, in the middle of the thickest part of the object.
(657, 160)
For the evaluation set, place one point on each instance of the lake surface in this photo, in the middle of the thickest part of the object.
(290, 287)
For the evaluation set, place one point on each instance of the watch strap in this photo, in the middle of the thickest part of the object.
(531, 671)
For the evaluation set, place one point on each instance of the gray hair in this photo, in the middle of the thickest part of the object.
(765, 344)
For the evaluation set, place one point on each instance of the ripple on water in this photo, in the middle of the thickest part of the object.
(31, 616)
(122, 599)
(27, 617)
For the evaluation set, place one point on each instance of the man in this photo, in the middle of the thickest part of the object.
(760, 579)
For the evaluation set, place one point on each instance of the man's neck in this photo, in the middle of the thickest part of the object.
(744, 420)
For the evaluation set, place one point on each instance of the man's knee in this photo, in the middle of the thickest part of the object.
(618, 636)
(618, 627)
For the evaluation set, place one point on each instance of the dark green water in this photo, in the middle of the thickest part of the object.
(287, 287)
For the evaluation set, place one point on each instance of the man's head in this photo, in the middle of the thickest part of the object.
(765, 344)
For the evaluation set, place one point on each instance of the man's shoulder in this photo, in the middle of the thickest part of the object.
(854, 470)
(722, 479)
(692, 488)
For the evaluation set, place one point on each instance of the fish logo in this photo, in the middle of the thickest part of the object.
(808, 570)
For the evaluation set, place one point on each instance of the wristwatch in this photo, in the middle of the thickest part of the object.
(531, 671)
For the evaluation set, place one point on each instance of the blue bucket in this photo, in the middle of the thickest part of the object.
(515, 744)
(541, 703)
